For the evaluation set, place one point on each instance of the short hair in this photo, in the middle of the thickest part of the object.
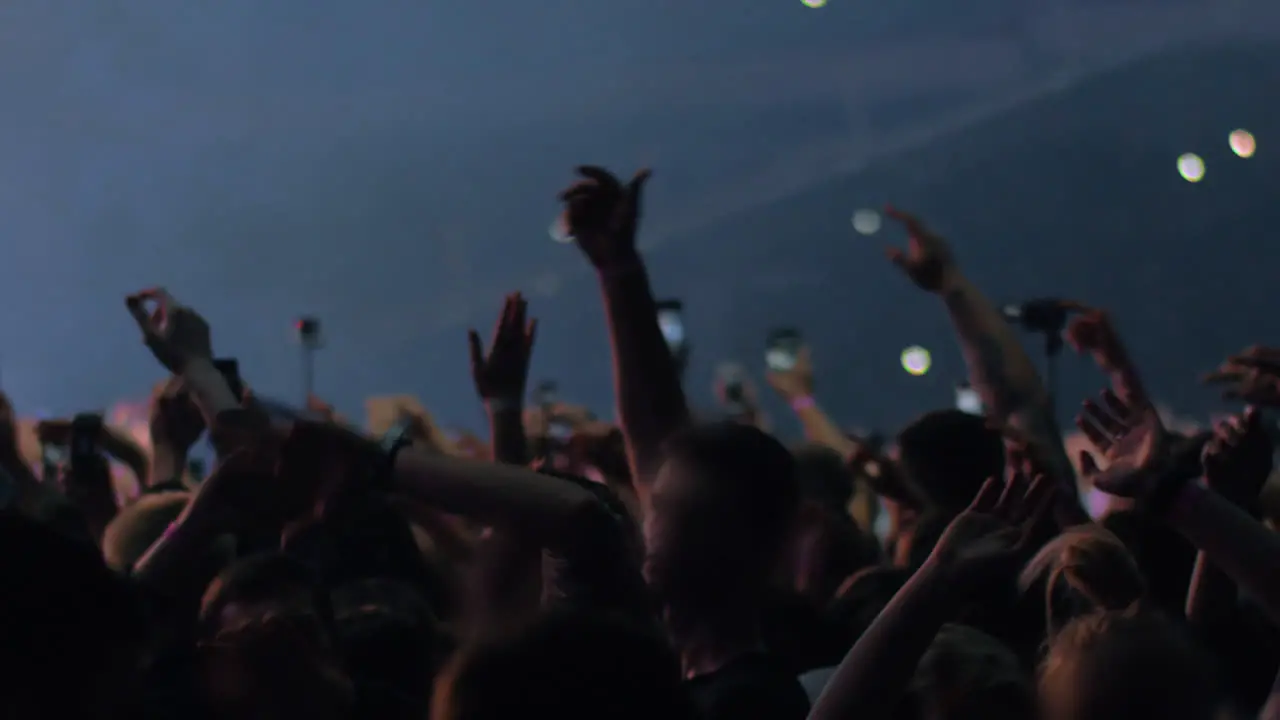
(272, 579)
(756, 470)
(1083, 570)
(392, 645)
(568, 665)
(967, 674)
(1126, 664)
(138, 525)
(948, 455)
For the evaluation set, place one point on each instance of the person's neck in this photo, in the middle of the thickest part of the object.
(707, 641)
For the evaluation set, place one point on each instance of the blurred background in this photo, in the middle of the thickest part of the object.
(391, 169)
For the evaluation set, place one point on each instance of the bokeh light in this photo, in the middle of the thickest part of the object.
(1243, 143)
(1191, 167)
(916, 360)
(814, 3)
(866, 222)
(559, 232)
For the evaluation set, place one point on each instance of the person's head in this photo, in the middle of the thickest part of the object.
(826, 547)
(1125, 664)
(139, 524)
(391, 644)
(265, 642)
(721, 509)
(948, 454)
(68, 623)
(969, 675)
(566, 665)
(1083, 570)
(822, 476)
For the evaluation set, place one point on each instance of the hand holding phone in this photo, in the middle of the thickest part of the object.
(782, 349)
(671, 322)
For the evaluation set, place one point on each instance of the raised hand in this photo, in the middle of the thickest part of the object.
(502, 373)
(602, 215)
(174, 333)
(174, 421)
(1095, 334)
(796, 382)
(1237, 459)
(994, 534)
(928, 260)
(1252, 376)
(1139, 452)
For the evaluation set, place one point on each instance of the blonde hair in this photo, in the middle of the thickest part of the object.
(139, 524)
(1124, 664)
(1085, 569)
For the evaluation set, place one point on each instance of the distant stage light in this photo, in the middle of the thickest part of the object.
(916, 360)
(814, 3)
(1191, 167)
(866, 222)
(559, 232)
(1243, 143)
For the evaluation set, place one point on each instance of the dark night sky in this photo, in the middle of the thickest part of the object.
(391, 167)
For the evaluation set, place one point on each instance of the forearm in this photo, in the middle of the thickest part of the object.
(1006, 379)
(209, 389)
(513, 497)
(127, 452)
(651, 402)
(168, 463)
(506, 428)
(1211, 595)
(819, 428)
(1243, 548)
(873, 675)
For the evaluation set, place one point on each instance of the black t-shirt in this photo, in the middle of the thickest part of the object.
(753, 686)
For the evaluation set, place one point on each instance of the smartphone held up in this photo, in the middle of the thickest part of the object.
(782, 349)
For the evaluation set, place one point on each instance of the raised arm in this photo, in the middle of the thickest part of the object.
(1141, 464)
(982, 546)
(500, 376)
(1236, 461)
(999, 368)
(602, 214)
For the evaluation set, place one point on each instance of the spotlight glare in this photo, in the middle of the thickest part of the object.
(1191, 167)
(916, 360)
(1243, 143)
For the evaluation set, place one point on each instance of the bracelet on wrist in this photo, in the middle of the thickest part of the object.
(802, 403)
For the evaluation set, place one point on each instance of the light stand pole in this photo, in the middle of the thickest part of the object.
(309, 340)
(1047, 316)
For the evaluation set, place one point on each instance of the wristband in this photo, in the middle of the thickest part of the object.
(802, 403)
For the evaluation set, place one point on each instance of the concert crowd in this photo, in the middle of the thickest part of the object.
(665, 566)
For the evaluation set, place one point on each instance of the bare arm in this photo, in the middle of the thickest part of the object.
(1245, 549)
(547, 509)
(651, 401)
(1211, 594)
(870, 679)
(1006, 379)
(506, 427)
